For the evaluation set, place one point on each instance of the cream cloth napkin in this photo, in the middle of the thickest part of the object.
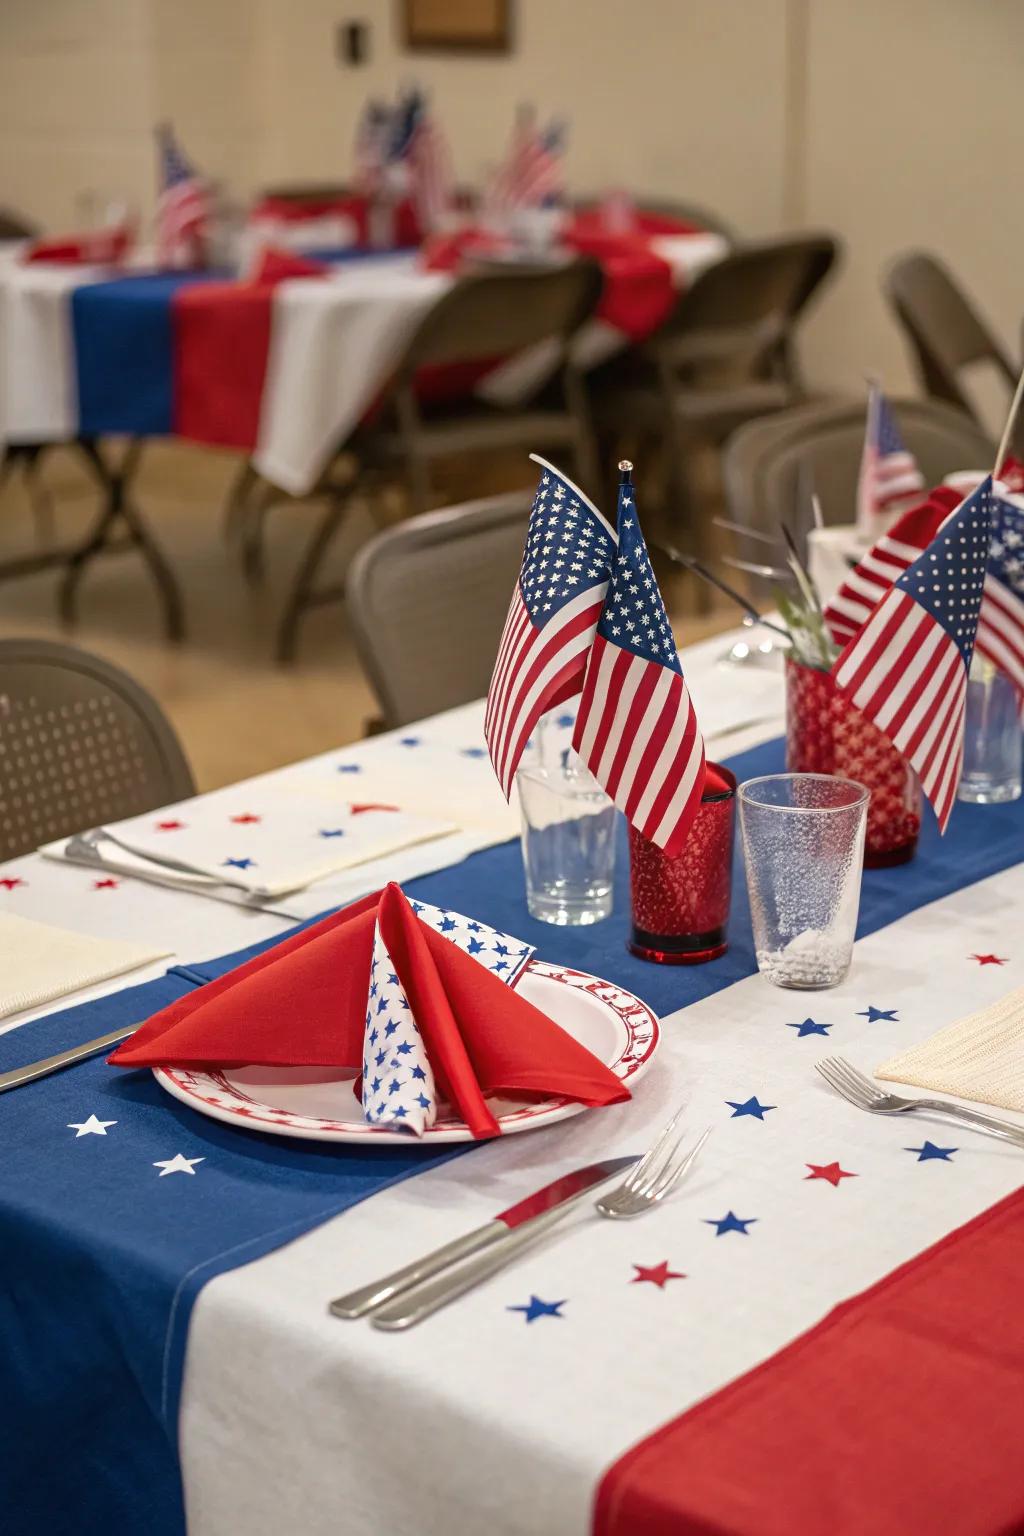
(980, 1057)
(39, 963)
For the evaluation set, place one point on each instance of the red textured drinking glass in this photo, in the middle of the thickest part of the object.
(825, 733)
(681, 904)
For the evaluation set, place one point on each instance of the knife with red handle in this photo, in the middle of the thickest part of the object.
(368, 1298)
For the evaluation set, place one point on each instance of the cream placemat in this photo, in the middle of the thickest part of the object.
(980, 1057)
(39, 963)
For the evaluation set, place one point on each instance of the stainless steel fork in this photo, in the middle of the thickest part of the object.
(648, 1183)
(865, 1094)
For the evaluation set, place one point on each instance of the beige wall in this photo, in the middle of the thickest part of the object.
(892, 122)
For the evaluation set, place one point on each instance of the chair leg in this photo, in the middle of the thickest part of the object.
(304, 594)
(252, 528)
(238, 496)
(41, 502)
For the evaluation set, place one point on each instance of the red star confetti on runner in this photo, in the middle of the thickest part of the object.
(11, 882)
(170, 826)
(105, 885)
(657, 1274)
(830, 1172)
(357, 810)
(989, 959)
(246, 820)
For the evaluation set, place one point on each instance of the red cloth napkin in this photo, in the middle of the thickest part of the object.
(303, 1003)
(101, 247)
(273, 265)
(447, 253)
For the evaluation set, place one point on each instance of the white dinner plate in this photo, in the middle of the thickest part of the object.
(318, 1103)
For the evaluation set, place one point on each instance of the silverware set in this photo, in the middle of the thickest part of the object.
(407, 1296)
(863, 1093)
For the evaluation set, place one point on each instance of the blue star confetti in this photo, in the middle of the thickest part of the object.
(349, 768)
(537, 1308)
(332, 832)
(239, 863)
(565, 722)
(929, 1152)
(749, 1107)
(810, 1027)
(409, 741)
(730, 1223)
(872, 1014)
(473, 751)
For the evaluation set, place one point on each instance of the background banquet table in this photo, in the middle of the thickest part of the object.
(499, 1414)
(283, 371)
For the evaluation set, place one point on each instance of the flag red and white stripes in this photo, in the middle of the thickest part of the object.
(182, 206)
(907, 668)
(889, 475)
(636, 729)
(851, 606)
(551, 620)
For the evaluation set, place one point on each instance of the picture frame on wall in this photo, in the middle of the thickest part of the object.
(458, 26)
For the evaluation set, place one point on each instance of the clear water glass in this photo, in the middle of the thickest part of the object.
(992, 737)
(568, 837)
(803, 844)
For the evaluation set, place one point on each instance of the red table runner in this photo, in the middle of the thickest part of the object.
(901, 1412)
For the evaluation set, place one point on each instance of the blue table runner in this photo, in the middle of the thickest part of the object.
(102, 1257)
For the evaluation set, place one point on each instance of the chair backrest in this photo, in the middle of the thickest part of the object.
(427, 601)
(945, 331)
(81, 744)
(14, 227)
(772, 466)
(745, 302)
(496, 314)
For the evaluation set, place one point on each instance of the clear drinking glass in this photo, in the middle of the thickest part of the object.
(568, 842)
(803, 844)
(992, 737)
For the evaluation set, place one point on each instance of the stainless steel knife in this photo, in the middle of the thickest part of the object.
(570, 1187)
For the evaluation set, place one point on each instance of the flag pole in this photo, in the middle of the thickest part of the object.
(1004, 441)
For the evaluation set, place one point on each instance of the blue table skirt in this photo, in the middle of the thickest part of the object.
(102, 1259)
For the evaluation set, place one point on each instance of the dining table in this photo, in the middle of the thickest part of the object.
(817, 1332)
(281, 370)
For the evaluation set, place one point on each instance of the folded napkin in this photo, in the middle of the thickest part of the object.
(272, 265)
(980, 1057)
(98, 247)
(271, 841)
(39, 963)
(385, 977)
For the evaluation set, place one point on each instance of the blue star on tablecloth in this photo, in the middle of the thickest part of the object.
(730, 1223)
(750, 1106)
(873, 1014)
(929, 1152)
(409, 741)
(538, 1308)
(810, 1027)
(332, 832)
(473, 751)
(349, 768)
(566, 722)
(239, 863)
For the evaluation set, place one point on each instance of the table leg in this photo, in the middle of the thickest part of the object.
(119, 509)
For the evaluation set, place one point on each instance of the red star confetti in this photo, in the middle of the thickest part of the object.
(170, 826)
(247, 820)
(989, 959)
(831, 1172)
(105, 885)
(657, 1274)
(357, 810)
(11, 882)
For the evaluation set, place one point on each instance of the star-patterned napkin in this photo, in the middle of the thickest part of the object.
(270, 841)
(980, 1057)
(39, 963)
(398, 1087)
(304, 1002)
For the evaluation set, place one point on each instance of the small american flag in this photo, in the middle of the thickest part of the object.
(907, 668)
(182, 207)
(889, 475)
(849, 609)
(1000, 636)
(552, 619)
(636, 729)
(418, 144)
(531, 175)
